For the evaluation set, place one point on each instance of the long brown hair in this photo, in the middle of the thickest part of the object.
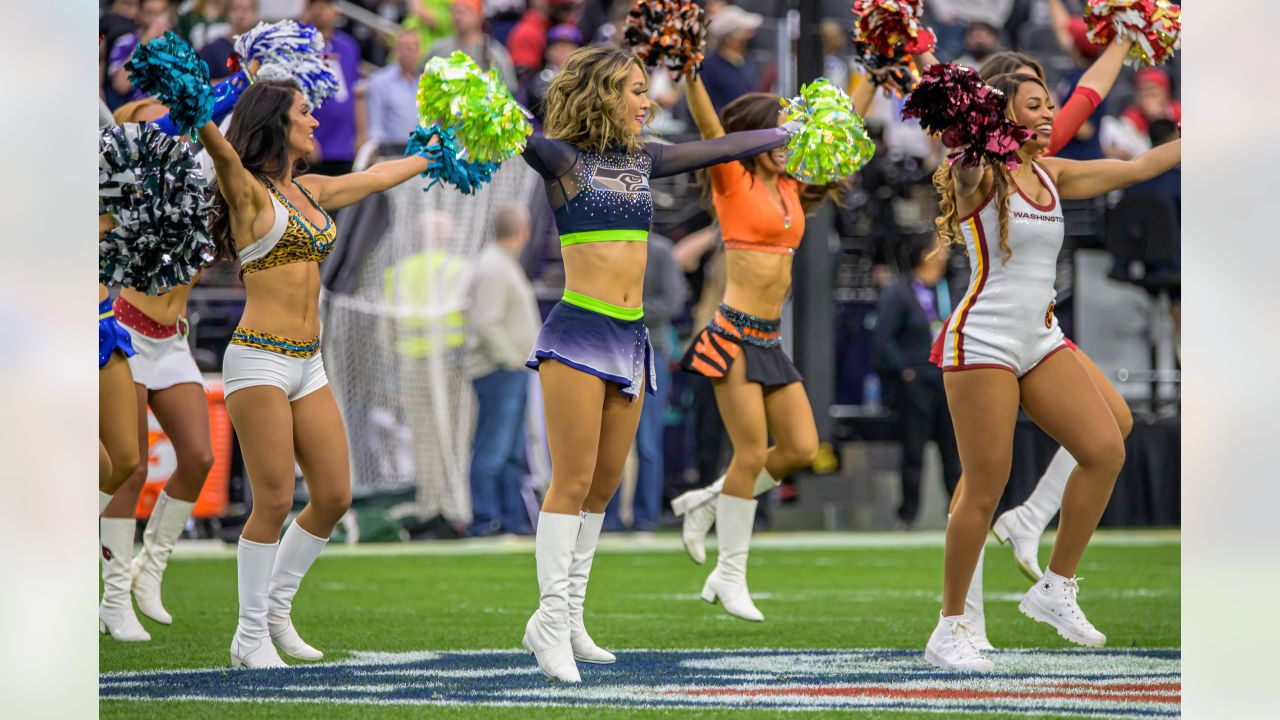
(948, 221)
(584, 102)
(259, 134)
(759, 111)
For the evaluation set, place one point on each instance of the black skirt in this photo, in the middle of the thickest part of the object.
(732, 335)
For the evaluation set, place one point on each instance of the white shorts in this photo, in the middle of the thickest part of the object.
(244, 367)
(1005, 341)
(162, 363)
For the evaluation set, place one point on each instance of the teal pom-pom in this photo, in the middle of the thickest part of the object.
(833, 143)
(169, 70)
(447, 163)
(156, 192)
(455, 94)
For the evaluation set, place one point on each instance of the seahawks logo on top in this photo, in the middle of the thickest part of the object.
(620, 180)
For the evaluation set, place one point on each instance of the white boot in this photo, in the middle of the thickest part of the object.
(698, 508)
(104, 499)
(728, 581)
(1052, 601)
(251, 646)
(115, 614)
(167, 520)
(974, 610)
(546, 635)
(584, 551)
(951, 647)
(298, 550)
(1022, 526)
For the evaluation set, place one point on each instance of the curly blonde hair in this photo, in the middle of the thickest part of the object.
(948, 221)
(584, 103)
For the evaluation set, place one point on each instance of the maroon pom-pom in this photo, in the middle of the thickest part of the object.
(671, 33)
(954, 102)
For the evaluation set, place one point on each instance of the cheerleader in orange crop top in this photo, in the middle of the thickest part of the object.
(758, 390)
(279, 226)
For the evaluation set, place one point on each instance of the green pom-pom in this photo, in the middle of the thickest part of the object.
(833, 143)
(455, 93)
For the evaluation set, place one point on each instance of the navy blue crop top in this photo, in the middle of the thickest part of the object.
(605, 197)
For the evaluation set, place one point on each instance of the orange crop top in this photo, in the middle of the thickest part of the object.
(749, 217)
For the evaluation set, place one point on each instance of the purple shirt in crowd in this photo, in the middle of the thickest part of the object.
(117, 57)
(336, 135)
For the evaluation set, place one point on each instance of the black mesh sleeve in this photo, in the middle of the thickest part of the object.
(684, 157)
(551, 158)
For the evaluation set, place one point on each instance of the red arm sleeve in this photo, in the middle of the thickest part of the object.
(1078, 108)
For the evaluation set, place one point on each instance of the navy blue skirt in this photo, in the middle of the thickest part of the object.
(616, 351)
(111, 336)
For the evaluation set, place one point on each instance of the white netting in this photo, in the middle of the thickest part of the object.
(394, 347)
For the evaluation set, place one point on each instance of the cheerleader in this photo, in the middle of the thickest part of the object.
(593, 356)
(758, 390)
(1022, 526)
(1000, 349)
(277, 224)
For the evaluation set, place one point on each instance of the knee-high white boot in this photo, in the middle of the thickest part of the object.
(728, 581)
(584, 552)
(298, 550)
(251, 646)
(168, 518)
(546, 635)
(698, 508)
(115, 614)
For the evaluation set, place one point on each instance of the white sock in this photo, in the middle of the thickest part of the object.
(104, 499)
(974, 610)
(298, 550)
(1053, 577)
(1046, 499)
(764, 483)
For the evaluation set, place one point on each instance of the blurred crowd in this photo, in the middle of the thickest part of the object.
(884, 267)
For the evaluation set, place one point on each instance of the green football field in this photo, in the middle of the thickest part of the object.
(402, 613)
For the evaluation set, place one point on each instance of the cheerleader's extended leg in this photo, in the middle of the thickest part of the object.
(618, 424)
(116, 527)
(1022, 527)
(320, 441)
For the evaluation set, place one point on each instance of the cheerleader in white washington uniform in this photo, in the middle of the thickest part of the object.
(1000, 350)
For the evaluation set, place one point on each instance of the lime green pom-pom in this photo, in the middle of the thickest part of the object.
(455, 93)
(833, 143)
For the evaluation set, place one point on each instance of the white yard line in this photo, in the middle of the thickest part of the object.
(670, 542)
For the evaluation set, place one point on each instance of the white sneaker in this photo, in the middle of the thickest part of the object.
(1013, 529)
(952, 647)
(698, 508)
(254, 656)
(727, 583)
(1052, 601)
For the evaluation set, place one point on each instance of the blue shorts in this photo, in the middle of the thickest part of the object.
(111, 335)
(614, 350)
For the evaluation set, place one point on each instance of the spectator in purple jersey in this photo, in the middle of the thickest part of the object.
(153, 21)
(242, 15)
(336, 135)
